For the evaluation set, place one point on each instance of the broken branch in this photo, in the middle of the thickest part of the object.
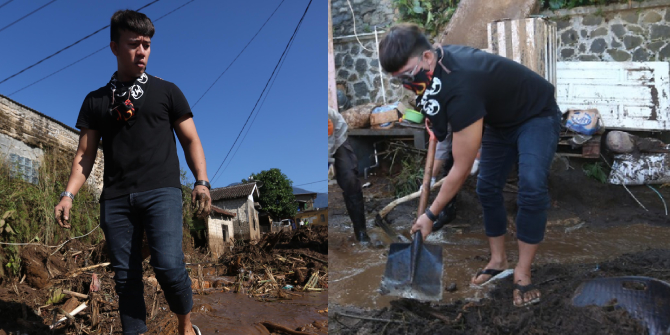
(406, 198)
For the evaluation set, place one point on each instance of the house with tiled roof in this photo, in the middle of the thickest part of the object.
(235, 213)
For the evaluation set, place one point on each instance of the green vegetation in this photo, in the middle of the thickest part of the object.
(410, 177)
(568, 4)
(276, 195)
(431, 15)
(596, 171)
(27, 210)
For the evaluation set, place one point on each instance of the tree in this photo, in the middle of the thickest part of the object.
(276, 193)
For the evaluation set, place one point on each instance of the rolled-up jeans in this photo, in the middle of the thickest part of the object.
(532, 144)
(124, 220)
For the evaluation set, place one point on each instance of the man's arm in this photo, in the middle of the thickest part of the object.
(195, 158)
(81, 169)
(465, 146)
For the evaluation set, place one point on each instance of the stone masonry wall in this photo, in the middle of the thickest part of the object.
(615, 32)
(26, 132)
(369, 13)
(215, 226)
(358, 71)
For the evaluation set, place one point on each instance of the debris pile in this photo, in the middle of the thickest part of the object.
(71, 289)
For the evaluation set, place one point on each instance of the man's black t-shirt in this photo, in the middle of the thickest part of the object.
(478, 84)
(140, 155)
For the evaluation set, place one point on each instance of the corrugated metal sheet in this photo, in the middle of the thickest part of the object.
(628, 95)
(531, 42)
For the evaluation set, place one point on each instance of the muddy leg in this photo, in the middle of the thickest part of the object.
(522, 272)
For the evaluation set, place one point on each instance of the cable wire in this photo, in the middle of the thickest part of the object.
(314, 182)
(69, 46)
(238, 55)
(5, 4)
(25, 16)
(264, 88)
(89, 55)
(262, 103)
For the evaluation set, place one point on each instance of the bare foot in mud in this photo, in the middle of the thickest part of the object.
(482, 277)
(525, 293)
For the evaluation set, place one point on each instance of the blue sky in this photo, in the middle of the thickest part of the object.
(191, 48)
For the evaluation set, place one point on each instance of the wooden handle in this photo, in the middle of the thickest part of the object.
(428, 172)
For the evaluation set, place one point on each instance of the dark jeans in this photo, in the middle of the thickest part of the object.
(346, 170)
(533, 145)
(124, 220)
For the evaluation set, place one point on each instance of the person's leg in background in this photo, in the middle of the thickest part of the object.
(123, 234)
(162, 217)
(346, 173)
(537, 140)
(444, 161)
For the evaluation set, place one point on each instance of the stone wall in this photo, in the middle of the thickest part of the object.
(25, 133)
(358, 72)
(615, 32)
(369, 13)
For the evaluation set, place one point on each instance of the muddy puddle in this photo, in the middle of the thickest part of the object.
(231, 313)
(355, 271)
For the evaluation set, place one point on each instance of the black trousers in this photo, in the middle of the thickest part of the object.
(346, 170)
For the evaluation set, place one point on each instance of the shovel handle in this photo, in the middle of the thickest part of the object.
(415, 252)
(427, 173)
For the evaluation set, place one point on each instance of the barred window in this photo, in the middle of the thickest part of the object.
(25, 168)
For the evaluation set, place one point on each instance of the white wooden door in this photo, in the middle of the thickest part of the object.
(628, 95)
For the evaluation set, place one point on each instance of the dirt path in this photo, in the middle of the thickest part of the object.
(590, 226)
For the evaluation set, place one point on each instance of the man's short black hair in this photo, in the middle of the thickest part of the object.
(401, 42)
(130, 20)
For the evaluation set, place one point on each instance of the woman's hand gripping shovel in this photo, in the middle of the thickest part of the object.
(414, 270)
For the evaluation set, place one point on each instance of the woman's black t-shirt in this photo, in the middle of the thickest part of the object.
(139, 155)
(481, 85)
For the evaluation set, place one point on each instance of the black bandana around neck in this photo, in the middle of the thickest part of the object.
(428, 101)
(127, 99)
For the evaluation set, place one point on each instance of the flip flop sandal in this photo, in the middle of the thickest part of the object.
(197, 331)
(523, 289)
(495, 275)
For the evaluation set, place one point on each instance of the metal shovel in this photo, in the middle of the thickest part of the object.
(414, 270)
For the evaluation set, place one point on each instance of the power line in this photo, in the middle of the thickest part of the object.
(91, 54)
(238, 55)
(262, 103)
(314, 182)
(5, 4)
(264, 88)
(25, 16)
(69, 46)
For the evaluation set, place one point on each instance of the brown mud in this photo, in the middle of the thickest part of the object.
(284, 283)
(594, 230)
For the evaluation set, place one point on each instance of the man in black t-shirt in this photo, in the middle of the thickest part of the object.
(500, 104)
(137, 115)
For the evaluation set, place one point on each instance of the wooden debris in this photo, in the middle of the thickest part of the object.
(68, 315)
(271, 327)
(80, 270)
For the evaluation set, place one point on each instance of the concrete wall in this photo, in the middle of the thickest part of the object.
(217, 225)
(246, 224)
(615, 32)
(25, 133)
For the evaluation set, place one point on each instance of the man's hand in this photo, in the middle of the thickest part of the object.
(201, 201)
(62, 212)
(423, 224)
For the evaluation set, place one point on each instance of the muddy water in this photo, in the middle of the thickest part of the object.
(231, 313)
(355, 272)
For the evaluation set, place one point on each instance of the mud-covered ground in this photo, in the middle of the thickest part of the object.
(582, 211)
(28, 304)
